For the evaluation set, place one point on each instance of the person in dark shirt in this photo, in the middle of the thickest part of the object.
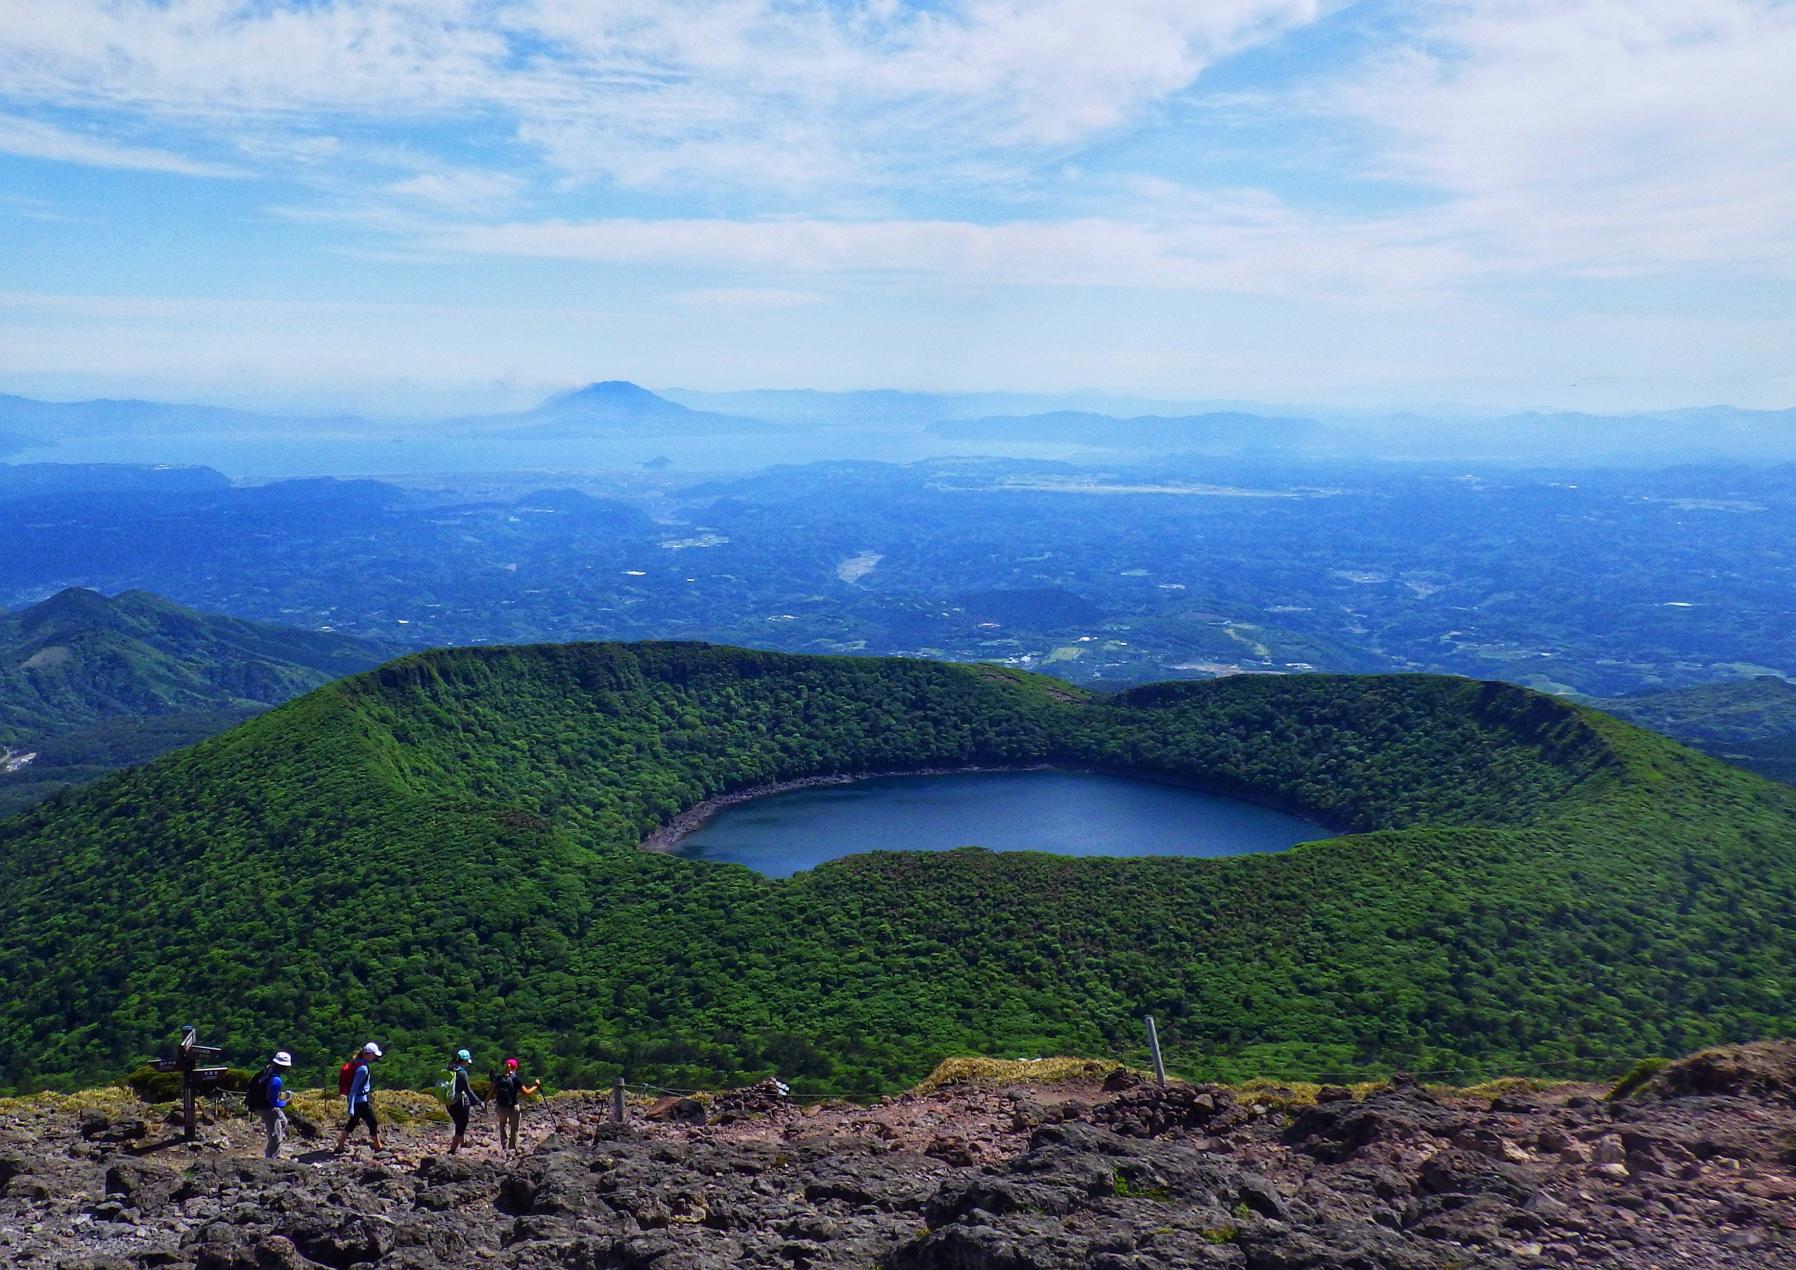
(508, 1091)
(462, 1098)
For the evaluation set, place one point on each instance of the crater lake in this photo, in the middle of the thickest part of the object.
(1066, 813)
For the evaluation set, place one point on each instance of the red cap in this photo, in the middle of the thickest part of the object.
(511, 1062)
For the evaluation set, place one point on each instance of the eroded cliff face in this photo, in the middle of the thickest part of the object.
(1697, 1168)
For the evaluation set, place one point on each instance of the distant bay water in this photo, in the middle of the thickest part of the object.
(1066, 813)
(259, 456)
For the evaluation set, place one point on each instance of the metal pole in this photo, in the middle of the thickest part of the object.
(618, 1111)
(189, 1039)
(1153, 1044)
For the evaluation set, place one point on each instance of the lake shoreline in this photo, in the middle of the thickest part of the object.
(666, 840)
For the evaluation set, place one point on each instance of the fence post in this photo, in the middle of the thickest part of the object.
(618, 1111)
(1153, 1044)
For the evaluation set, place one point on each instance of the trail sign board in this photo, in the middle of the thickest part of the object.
(193, 1077)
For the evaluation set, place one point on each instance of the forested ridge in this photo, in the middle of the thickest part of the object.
(442, 851)
(80, 658)
(90, 684)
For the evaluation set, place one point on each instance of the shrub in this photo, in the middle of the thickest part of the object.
(1638, 1075)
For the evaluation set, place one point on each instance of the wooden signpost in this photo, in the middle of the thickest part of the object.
(193, 1076)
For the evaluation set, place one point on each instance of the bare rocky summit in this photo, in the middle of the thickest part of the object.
(1697, 1168)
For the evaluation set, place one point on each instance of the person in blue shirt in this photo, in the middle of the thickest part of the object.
(274, 1115)
(361, 1099)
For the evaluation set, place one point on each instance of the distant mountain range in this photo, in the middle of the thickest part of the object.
(612, 409)
(89, 683)
(618, 410)
(898, 409)
(1219, 433)
(1625, 440)
(26, 423)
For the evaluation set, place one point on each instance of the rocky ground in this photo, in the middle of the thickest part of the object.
(1697, 1168)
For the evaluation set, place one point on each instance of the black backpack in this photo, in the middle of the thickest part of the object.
(259, 1098)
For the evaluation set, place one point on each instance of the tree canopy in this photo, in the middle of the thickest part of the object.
(443, 851)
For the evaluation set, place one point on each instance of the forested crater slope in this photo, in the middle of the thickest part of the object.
(443, 851)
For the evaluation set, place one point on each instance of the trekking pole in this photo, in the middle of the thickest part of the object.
(1153, 1044)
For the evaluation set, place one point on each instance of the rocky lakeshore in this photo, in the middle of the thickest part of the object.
(669, 836)
(1696, 1167)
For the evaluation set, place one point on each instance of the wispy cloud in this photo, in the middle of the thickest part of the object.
(1583, 136)
(652, 93)
(1271, 251)
(459, 189)
(1600, 137)
(34, 139)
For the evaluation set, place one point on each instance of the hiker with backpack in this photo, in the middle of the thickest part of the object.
(356, 1083)
(508, 1091)
(267, 1096)
(462, 1098)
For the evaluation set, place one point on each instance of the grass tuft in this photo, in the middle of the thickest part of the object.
(1012, 1071)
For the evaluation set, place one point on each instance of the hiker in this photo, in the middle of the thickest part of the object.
(360, 1093)
(462, 1097)
(267, 1095)
(508, 1091)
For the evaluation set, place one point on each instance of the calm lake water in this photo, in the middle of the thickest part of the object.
(1068, 813)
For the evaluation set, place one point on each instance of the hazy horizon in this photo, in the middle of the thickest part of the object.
(424, 407)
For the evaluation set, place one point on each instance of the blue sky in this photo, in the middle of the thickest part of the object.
(411, 204)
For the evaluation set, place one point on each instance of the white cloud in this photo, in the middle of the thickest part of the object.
(1471, 187)
(803, 95)
(459, 189)
(1252, 245)
(34, 139)
(227, 59)
(755, 93)
(1597, 136)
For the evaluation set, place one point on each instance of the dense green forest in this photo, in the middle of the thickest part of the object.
(89, 684)
(79, 658)
(443, 851)
(1749, 722)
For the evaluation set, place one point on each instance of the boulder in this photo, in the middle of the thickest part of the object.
(1336, 1131)
(142, 1184)
(1764, 1070)
(1149, 1112)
